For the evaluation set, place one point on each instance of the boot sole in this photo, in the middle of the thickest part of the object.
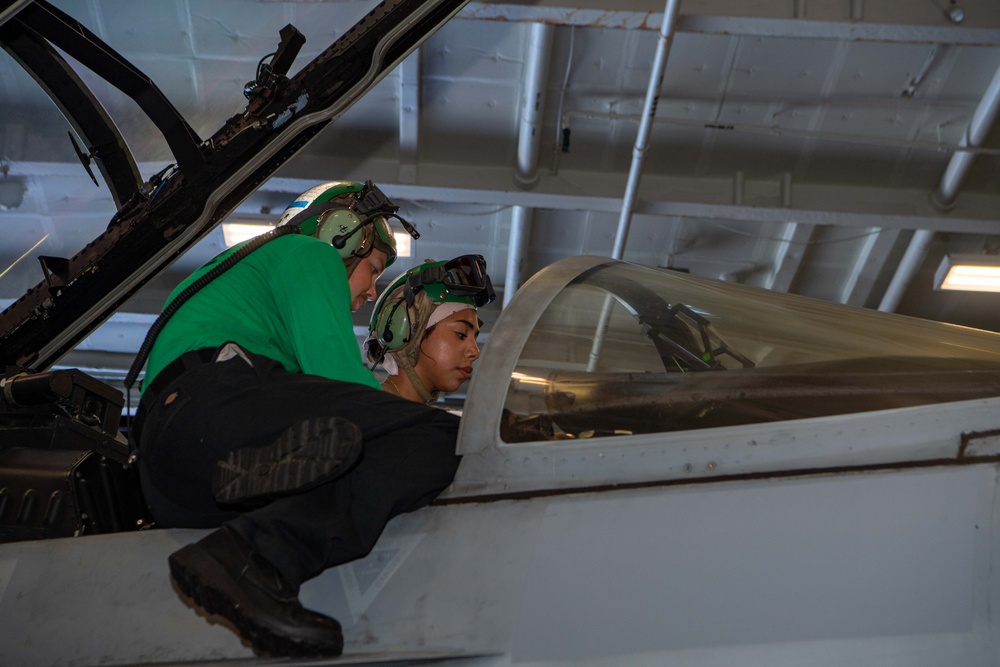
(308, 454)
(190, 569)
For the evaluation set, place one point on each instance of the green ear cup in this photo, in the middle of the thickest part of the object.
(393, 325)
(341, 223)
(401, 312)
(325, 192)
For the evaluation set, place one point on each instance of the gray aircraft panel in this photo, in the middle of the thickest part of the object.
(866, 568)
(792, 561)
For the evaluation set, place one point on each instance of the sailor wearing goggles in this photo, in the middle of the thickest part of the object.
(424, 327)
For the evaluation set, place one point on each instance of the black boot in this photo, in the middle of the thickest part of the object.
(307, 454)
(224, 575)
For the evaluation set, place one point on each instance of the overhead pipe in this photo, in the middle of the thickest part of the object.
(943, 198)
(517, 248)
(667, 28)
(532, 102)
(958, 168)
(529, 138)
(773, 131)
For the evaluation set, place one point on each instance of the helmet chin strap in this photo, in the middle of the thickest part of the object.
(419, 385)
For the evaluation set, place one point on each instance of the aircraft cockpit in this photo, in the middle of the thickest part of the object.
(608, 357)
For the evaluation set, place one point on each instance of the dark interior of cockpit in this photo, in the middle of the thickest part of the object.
(595, 404)
(618, 353)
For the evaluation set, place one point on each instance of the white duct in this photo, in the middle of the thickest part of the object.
(529, 138)
(517, 248)
(667, 28)
(958, 168)
(944, 197)
(532, 103)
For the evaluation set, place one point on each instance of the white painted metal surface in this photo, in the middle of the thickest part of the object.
(889, 568)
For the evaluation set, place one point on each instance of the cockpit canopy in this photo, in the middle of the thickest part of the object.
(624, 349)
(594, 347)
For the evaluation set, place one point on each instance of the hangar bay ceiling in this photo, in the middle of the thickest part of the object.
(837, 149)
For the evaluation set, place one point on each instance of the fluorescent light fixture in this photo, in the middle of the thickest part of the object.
(971, 273)
(237, 232)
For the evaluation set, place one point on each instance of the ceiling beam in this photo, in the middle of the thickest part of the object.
(907, 270)
(689, 197)
(788, 256)
(614, 15)
(858, 289)
(697, 198)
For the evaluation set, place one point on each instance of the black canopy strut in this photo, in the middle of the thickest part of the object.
(173, 210)
(83, 111)
(72, 37)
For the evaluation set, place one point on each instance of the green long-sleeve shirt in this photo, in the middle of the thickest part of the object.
(288, 300)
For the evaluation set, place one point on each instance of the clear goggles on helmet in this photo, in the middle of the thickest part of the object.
(464, 277)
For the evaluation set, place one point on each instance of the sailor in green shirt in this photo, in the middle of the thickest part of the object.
(258, 418)
(289, 300)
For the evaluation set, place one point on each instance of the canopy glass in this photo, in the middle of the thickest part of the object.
(623, 349)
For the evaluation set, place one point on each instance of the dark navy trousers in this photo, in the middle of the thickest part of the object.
(197, 419)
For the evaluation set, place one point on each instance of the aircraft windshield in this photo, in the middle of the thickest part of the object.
(624, 349)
